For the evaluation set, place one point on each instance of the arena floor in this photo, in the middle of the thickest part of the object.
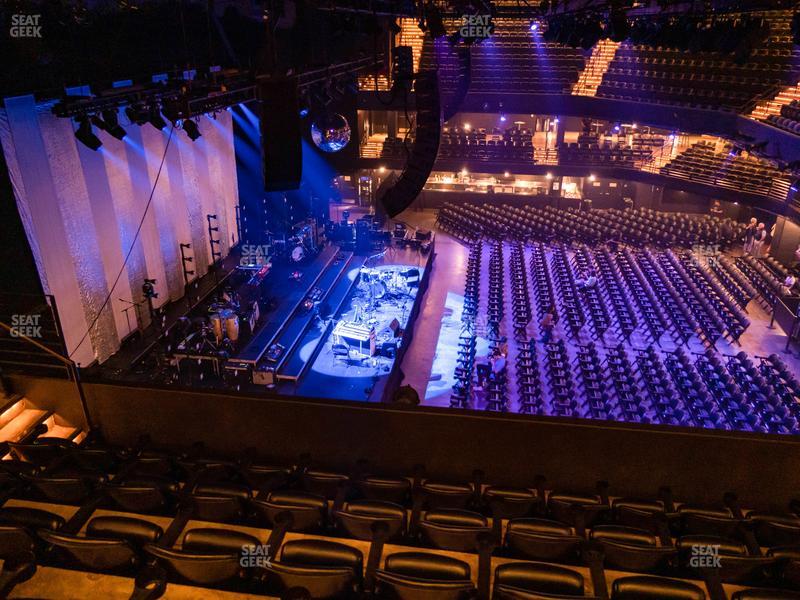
(430, 360)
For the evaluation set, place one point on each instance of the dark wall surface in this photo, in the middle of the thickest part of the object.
(511, 449)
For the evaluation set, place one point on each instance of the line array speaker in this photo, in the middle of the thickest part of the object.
(423, 152)
(281, 138)
(453, 102)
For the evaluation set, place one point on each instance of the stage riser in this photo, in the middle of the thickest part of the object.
(636, 460)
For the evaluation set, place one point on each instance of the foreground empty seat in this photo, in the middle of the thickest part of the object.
(423, 576)
(146, 494)
(775, 530)
(208, 556)
(631, 549)
(219, 502)
(18, 526)
(308, 510)
(510, 503)
(65, 488)
(43, 450)
(735, 564)
(451, 529)
(110, 542)
(323, 483)
(655, 588)
(540, 539)
(358, 518)
(446, 495)
(528, 580)
(326, 569)
(396, 490)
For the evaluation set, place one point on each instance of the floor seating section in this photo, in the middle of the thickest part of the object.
(648, 335)
(636, 227)
(703, 163)
(156, 518)
(712, 80)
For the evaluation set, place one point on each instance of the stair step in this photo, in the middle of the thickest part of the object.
(22, 424)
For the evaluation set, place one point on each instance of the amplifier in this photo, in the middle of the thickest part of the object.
(264, 376)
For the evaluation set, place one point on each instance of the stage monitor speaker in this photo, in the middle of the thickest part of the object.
(281, 136)
(423, 153)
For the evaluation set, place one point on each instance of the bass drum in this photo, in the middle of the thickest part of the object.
(298, 253)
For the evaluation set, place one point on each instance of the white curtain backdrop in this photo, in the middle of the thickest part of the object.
(81, 209)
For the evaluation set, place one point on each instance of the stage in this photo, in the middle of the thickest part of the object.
(294, 347)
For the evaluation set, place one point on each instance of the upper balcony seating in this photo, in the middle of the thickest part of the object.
(705, 79)
(789, 119)
(703, 164)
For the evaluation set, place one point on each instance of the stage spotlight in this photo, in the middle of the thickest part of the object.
(112, 126)
(549, 176)
(136, 114)
(303, 113)
(85, 134)
(534, 26)
(503, 117)
(155, 119)
(191, 129)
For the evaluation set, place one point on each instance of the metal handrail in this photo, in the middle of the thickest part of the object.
(71, 367)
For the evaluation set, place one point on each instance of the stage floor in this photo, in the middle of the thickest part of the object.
(356, 378)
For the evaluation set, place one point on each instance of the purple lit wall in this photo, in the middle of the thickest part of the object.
(81, 209)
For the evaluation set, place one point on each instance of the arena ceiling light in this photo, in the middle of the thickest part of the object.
(85, 134)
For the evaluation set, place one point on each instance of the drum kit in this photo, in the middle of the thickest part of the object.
(382, 283)
(299, 246)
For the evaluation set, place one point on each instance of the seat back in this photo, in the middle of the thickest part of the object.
(386, 489)
(538, 578)
(64, 489)
(308, 511)
(92, 553)
(16, 526)
(540, 539)
(423, 576)
(140, 496)
(357, 518)
(326, 569)
(655, 588)
(630, 549)
(451, 529)
(198, 567)
(222, 503)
